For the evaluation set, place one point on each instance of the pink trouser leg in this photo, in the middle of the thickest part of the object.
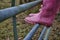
(59, 9)
(47, 13)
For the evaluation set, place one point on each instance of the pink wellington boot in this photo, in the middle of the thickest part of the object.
(46, 15)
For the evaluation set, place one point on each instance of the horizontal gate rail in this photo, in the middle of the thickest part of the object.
(32, 32)
(45, 30)
(9, 12)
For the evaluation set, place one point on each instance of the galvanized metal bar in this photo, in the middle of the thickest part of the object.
(14, 22)
(14, 28)
(32, 32)
(47, 33)
(42, 33)
(9, 12)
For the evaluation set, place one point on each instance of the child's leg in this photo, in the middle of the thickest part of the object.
(46, 15)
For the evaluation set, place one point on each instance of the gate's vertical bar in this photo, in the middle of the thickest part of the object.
(20, 1)
(42, 33)
(14, 23)
(47, 33)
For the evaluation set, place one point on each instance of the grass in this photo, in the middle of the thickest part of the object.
(6, 27)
